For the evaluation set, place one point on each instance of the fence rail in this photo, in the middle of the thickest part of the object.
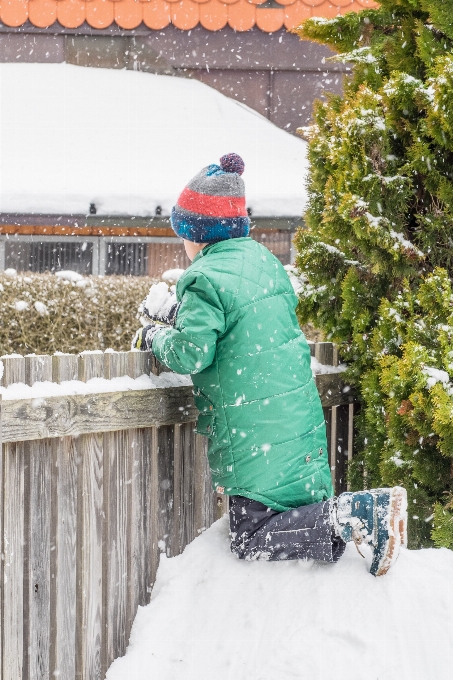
(94, 487)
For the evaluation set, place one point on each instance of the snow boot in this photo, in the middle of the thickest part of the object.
(377, 517)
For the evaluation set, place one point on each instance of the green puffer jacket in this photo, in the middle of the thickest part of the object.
(237, 334)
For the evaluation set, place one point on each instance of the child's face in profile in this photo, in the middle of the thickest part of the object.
(192, 248)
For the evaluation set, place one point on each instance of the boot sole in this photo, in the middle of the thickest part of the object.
(397, 529)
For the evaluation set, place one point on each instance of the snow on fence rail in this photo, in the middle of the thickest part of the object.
(96, 482)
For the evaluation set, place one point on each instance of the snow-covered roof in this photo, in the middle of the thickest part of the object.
(129, 142)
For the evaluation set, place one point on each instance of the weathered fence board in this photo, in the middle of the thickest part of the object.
(117, 502)
(37, 368)
(91, 365)
(13, 561)
(90, 567)
(13, 370)
(37, 547)
(65, 367)
(66, 463)
(140, 577)
(93, 489)
(44, 417)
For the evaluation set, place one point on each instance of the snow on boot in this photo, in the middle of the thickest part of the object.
(377, 517)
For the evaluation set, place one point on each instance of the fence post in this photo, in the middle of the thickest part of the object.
(37, 368)
(13, 369)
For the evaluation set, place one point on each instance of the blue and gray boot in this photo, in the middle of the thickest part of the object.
(377, 517)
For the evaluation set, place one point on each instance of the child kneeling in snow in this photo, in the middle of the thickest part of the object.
(234, 329)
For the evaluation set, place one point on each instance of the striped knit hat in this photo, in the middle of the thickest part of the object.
(212, 206)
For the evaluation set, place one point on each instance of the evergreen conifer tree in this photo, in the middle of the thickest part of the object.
(377, 257)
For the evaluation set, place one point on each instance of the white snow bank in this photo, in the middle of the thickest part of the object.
(129, 142)
(40, 390)
(214, 616)
(321, 369)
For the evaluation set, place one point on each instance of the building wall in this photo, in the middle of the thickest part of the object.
(113, 245)
(276, 74)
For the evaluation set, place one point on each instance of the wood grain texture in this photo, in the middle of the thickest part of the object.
(116, 539)
(205, 498)
(324, 353)
(13, 550)
(27, 419)
(64, 367)
(135, 567)
(141, 524)
(165, 489)
(90, 527)
(13, 370)
(37, 368)
(139, 363)
(116, 364)
(37, 498)
(90, 365)
(178, 472)
(66, 462)
(184, 487)
(153, 506)
(30, 419)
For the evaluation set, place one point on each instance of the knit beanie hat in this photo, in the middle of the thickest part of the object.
(212, 206)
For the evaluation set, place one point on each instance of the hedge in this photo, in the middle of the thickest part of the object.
(44, 313)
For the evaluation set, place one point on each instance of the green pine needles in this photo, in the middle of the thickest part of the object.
(378, 252)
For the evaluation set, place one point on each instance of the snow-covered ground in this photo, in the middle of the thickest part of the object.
(214, 616)
(129, 142)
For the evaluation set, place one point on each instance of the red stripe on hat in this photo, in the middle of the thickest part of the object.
(212, 206)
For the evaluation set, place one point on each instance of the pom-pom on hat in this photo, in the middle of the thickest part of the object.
(212, 206)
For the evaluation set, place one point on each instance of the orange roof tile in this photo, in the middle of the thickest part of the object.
(213, 15)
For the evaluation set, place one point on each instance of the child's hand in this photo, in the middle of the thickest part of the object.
(143, 339)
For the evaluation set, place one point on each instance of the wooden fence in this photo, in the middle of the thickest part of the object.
(94, 487)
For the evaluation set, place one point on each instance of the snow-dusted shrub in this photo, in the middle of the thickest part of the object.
(45, 313)
(377, 257)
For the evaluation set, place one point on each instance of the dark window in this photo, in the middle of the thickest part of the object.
(49, 256)
(127, 258)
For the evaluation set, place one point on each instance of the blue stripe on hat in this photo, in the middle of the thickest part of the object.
(200, 229)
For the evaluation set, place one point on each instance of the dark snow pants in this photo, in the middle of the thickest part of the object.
(259, 533)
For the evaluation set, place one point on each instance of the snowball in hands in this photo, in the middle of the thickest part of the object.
(158, 295)
(159, 305)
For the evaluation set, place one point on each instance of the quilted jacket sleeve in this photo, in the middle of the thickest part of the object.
(190, 346)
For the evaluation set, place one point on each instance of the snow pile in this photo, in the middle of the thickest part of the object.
(321, 369)
(213, 616)
(137, 147)
(45, 388)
